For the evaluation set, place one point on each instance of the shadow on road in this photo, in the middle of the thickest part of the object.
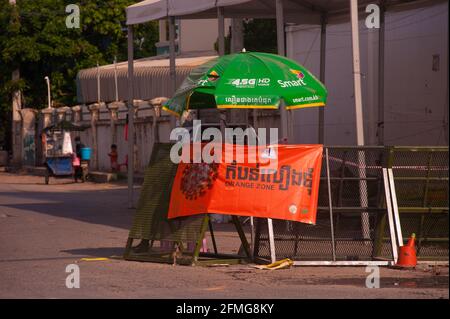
(96, 252)
(106, 207)
(96, 206)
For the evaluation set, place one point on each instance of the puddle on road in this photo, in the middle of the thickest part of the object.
(389, 282)
(430, 282)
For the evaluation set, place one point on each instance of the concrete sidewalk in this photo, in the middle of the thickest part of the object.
(44, 228)
(95, 176)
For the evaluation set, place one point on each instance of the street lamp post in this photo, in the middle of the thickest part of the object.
(47, 80)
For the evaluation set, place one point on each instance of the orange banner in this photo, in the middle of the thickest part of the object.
(285, 188)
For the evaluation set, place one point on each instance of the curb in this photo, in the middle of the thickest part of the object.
(95, 176)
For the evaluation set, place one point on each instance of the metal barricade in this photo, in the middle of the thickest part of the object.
(421, 186)
(354, 186)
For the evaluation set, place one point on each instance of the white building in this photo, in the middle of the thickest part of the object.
(196, 35)
(416, 78)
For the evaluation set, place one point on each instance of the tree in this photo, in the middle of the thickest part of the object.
(260, 35)
(34, 38)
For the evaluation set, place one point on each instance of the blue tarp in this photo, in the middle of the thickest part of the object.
(60, 165)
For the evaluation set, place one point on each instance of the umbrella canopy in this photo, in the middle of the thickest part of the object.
(250, 80)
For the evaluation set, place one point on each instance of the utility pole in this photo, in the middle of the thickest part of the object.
(16, 117)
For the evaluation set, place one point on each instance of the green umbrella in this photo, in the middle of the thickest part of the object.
(250, 80)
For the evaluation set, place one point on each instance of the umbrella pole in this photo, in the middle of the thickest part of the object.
(252, 222)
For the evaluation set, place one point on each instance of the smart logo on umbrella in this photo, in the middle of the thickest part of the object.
(299, 82)
(298, 73)
(213, 76)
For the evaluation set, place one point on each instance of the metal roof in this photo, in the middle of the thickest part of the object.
(152, 79)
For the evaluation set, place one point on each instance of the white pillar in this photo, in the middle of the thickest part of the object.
(94, 110)
(116, 85)
(162, 30)
(357, 72)
(283, 113)
(16, 117)
(99, 95)
(130, 104)
(221, 31)
(365, 226)
(237, 35)
(280, 28)
(17, 138)
(49, 96)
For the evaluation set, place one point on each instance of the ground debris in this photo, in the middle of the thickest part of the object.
(281, 264)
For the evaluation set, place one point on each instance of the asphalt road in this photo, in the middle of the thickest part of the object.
(44, 228)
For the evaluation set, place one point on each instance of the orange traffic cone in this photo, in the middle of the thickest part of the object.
(407, 254)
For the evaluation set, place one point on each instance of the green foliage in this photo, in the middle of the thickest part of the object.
(227, 44)
(34, 39)
(260, 35)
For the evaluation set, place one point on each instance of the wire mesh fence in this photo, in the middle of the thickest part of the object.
(352, 220)
(358, 208)
(421, 182)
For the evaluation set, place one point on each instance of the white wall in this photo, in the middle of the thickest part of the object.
(416, 97)
(144, 137)
(199, 34)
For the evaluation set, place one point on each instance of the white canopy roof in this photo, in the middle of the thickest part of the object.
(295, 11)
(145, 11)
(149, 10)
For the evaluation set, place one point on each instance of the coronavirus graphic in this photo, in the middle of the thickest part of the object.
(197, 178)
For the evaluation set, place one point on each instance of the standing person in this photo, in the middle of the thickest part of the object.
(76, 161)
(113, 155)
(78, 146)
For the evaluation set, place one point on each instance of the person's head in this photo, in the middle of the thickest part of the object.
(113, 147)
